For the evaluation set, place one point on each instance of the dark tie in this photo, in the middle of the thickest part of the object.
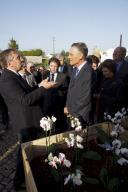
(75, 72)
(52, 77)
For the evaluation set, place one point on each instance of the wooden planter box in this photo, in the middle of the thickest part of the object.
(34, 148)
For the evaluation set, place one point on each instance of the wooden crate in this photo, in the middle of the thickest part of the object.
(34, 148)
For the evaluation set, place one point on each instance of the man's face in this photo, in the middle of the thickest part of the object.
(118, 54)
(15, 63)
(61, 58)
(75, 56)
(53, 67)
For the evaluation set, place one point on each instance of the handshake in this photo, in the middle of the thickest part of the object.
(47, 84)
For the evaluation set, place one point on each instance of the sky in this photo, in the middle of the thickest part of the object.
(53, 25)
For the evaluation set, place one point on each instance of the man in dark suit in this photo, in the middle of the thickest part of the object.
(78, 102)
(122, 65)
(122, 69)
(65, 67)
(23, 102)
(55, 99)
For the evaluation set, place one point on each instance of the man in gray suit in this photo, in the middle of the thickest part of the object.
(78, 102)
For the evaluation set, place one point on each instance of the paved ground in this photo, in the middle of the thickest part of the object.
(8, 150)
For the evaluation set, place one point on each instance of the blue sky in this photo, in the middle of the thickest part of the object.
(34, 23)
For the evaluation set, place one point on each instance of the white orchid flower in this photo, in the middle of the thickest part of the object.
(108, 116)
(79, 139)
(114, 134)
(44, 123)
(61, 157)
(124, 151)
(116, 143)
(79, 146)
(71, 136)
(50, 157)
(122, 161)
(70, 143)
(53, 164)
(79, 128)
(53, 118)
(67, 163)
(67, 179)
(117, 151)
(123, 110)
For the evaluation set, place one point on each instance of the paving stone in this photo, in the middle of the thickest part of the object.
(1, 187)
(8, 153)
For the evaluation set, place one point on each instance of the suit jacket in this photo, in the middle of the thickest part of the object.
(62, 82)
(31, 79)
(123, 71)
(79, 93)
(55, 98)
(22, 100)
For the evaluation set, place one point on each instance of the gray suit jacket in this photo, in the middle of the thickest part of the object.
(79, 93)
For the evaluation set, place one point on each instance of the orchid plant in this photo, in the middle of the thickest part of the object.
(113, 143)
(47, 124)
(65, 171)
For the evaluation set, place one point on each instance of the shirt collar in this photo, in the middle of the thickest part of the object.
(80, 66)
(14, 71)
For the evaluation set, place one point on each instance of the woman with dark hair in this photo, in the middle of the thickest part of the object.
(112, 90)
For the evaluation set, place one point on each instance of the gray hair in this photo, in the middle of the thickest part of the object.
(82, 47)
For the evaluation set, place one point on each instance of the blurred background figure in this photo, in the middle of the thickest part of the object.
(65, 67)
(111, 97)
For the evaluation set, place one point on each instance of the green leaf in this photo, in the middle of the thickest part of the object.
(104, 176)
(113, 184)
(92, 181)
(93, 155)
(55, 174)
(102, 135)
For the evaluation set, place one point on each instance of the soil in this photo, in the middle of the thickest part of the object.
(91, 168)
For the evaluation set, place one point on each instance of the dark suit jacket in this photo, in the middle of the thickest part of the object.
(79, 93)
(22, 100)
(123, 71)
(55, 98)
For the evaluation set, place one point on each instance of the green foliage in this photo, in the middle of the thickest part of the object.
(92, 181)
(111, 184)
(103, 136)
(93, 155)
(33, 52)
(104, 176)
(56, 174)
(13, 44)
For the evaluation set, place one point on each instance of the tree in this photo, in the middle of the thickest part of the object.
(13, 44)
(34, 52)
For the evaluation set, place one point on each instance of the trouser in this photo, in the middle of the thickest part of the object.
(25, 135)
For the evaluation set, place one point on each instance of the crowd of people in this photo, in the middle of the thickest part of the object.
(84, 88)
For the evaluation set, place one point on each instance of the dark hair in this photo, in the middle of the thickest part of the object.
(94, 59)
(109, 64)
(82, 47)
(54, 59)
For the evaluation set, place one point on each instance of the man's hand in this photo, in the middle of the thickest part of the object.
(47, 84)
(66, 111)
